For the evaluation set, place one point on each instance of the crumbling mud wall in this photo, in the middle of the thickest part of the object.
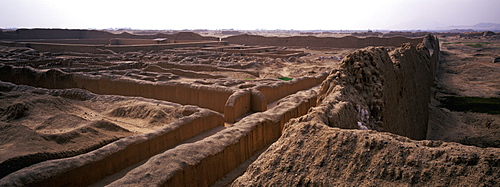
(41, 45)
(92, 34)
(233, 103)
(281, 89)
(53, 47)
(389, 90)
(312, 41)
(309, 153)
(210, 97)
(88, 168)
(204, 162)
(257, 98)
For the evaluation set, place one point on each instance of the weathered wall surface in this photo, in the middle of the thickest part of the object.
(97, 48)
(89, 34)
(310, 153)
(312, 41)
(238, 105)
(87, 168)
(389, 90)
(211, 97)
(204, 162)
(256, 99)
(281, 89)
(234, 104)
(52, 47)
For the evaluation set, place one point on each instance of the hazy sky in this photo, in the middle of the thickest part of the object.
(247, 14)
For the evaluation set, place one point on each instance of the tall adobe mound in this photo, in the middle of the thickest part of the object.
(309, 153)
(384, 91)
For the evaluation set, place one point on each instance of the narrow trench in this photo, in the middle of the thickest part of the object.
(122, 173)
(227, 179)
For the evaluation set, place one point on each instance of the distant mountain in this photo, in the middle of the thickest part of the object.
(477, 27)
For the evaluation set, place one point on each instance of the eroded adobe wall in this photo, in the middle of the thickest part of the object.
(204, 162)
(99, 41)
(88, 168)
(281, 89)
(53, 47)
(389, 90)
(92, 34)
(210, 97)
(312, 41)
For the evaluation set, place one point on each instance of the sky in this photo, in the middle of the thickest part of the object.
(247, 14)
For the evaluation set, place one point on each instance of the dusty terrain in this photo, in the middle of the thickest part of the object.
(39, 124)
(310, 153)
(467, 70)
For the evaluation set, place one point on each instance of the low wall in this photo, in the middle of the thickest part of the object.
(210, 97)
(158, 47)
(52, 47)
(237, 105)
(126, 41)
(93, 34)
(88, 168)
(100, 41)
(283, 88)
(204, 162)
(312, 41)
(96, 48)
(241, 103)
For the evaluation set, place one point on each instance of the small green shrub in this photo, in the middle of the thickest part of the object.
(285, 78)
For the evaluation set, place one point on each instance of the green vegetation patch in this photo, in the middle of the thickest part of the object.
(478, 45)
(472, 104)
(285, 78)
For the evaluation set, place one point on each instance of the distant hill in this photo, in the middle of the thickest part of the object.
(477, 27)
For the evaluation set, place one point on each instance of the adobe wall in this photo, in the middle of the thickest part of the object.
(256, 99)
(158, 47)
(210, 97)
(281, 89)
(100, 41)
(388, 90)
(88, 168)
(312, 41)
(125, 41)
(92, 34)
(52, 47)
(69, 46)
(237, 105)
(204, 162)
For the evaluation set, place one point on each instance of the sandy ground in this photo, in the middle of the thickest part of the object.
(466, 69)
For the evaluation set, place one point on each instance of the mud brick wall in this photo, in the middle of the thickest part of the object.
(200, 95)
(283, 88)
(312, 41)
(87, 168)
(204, 162)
